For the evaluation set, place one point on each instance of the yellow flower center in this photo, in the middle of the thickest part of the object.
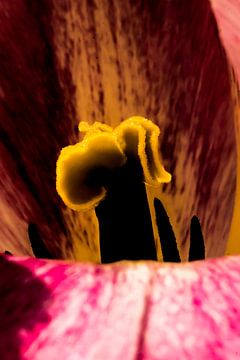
(109, 170)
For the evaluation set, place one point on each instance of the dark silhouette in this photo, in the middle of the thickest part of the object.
(6, 252)
(197, 248)
(38, 247)
(166, 234)
(125, 222)
(124, 217)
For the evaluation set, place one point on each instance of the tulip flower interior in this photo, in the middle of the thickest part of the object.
(126, 193)
(109, 170)
(169, 61)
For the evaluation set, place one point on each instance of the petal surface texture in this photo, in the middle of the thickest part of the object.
(66, 311)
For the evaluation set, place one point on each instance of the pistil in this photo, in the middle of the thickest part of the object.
(124, 216)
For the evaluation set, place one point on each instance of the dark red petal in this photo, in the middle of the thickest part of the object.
(67, 61)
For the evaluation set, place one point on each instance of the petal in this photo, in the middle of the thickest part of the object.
(104, 61)
(227, 13)
(126, 310)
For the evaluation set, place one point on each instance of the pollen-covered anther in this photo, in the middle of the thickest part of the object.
(84, 169)
(138, 137)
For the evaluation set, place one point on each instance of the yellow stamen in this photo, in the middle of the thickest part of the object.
(104, 150)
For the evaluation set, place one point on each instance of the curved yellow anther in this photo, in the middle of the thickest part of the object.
(83, 168)
(139, 136)
(78, 169)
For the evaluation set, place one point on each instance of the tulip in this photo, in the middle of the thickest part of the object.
(164, 61)
(175, 62)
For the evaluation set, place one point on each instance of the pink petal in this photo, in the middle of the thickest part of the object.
(227, 13)
(60, 310)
